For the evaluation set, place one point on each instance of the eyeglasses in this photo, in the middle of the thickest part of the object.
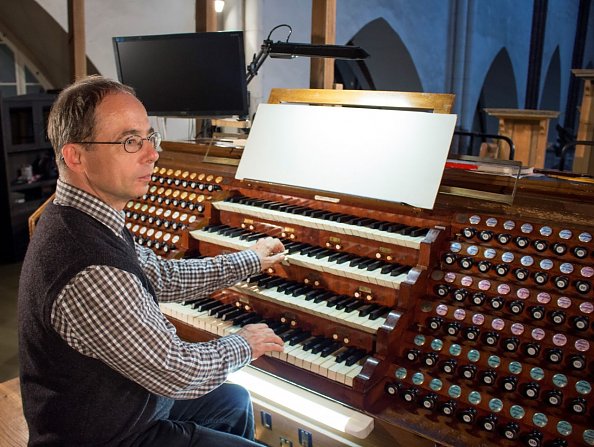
(132, 144)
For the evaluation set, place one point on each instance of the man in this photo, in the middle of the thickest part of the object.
(100, 364)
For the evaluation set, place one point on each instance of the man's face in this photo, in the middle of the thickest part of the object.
(113, 174)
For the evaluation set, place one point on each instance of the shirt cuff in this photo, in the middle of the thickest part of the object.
(251, 260)
(238, 350)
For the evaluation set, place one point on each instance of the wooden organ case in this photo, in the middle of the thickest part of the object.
(466, 325)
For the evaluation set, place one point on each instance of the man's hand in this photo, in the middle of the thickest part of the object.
(269, 250)
(261, 339)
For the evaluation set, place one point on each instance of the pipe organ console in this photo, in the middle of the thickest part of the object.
(467, 325)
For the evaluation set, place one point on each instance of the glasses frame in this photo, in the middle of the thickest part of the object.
(152, 135)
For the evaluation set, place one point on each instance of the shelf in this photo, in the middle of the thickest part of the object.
(29, 147)
(39, 184)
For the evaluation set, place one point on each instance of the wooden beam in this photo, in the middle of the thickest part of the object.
(206, 16)
(323, 31)
(76, 39)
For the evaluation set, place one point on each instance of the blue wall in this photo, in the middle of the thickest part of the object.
(454, 43)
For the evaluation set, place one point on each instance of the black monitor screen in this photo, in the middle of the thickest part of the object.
(191, 75)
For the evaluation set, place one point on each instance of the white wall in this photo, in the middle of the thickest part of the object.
(105, 19)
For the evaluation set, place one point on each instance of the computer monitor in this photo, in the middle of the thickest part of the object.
(185, 75)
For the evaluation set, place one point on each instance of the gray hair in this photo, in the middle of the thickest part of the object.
(72, 116)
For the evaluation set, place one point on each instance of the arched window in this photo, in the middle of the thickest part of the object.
(16, 78)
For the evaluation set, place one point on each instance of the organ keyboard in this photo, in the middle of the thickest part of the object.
(470, 324)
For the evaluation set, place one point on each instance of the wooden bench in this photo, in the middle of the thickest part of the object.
(13, 428)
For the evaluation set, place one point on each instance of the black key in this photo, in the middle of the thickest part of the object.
(375, 265)
(355, 357)
(207, 305)
(297, 247)
(396, 228)
(286, 336)
(325, 253)
(266, 205)
(366, 263)
(400, 270)
(333, 257)
(258, 277)
(317, 214)
(331, 348)
(324, 296)
(376, 224)
(238, 321)
(345, 354)
(288, 244)
(298, 338)
(299, 210)
(273, 324)
(222, 311)
(331, 302)
(282, 329)
(301, 290)
(387, 268)
(365, 222)
(326, 215)
(233, 314)
(214, 228)
(252, 320)
(356, 304)
(264, 281)
(192, 303)
(307, 346)
(419, 232)
(367, 309)
(232, 232)
(234, 199)
(343, 303)
(282, 286)
(346, 257)
(255, 237)
(313, 294)
(237, 233)
(275, 282)
(321, 345)
(315, 251)
(358, 260)
(385, 226)
(406, 230)
(379, 312)
(307, 249)
(289, 290)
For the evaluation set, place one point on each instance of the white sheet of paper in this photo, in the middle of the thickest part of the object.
(392, 155)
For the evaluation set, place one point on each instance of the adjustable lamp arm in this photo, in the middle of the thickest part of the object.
(258, 59)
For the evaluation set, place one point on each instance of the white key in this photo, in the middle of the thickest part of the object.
(336, 227)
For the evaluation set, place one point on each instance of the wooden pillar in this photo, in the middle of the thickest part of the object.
(528, 129)
(323, 31)
(206, 16)
(583, 161)
(206, 21)
(76, 38)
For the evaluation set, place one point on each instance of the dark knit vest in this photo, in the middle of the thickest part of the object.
(70, 399)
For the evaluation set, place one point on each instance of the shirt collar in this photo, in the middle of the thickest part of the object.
(68, 195)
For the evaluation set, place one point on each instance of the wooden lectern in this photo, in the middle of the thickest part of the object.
(583, 160)
(528, 129)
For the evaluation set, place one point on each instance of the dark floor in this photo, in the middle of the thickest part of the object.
(9, 280)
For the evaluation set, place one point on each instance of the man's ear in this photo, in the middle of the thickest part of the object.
(72, 156)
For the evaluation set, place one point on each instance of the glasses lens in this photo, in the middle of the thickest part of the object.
(133, 144)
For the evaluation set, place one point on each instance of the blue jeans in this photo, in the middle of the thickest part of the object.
(221, 418)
